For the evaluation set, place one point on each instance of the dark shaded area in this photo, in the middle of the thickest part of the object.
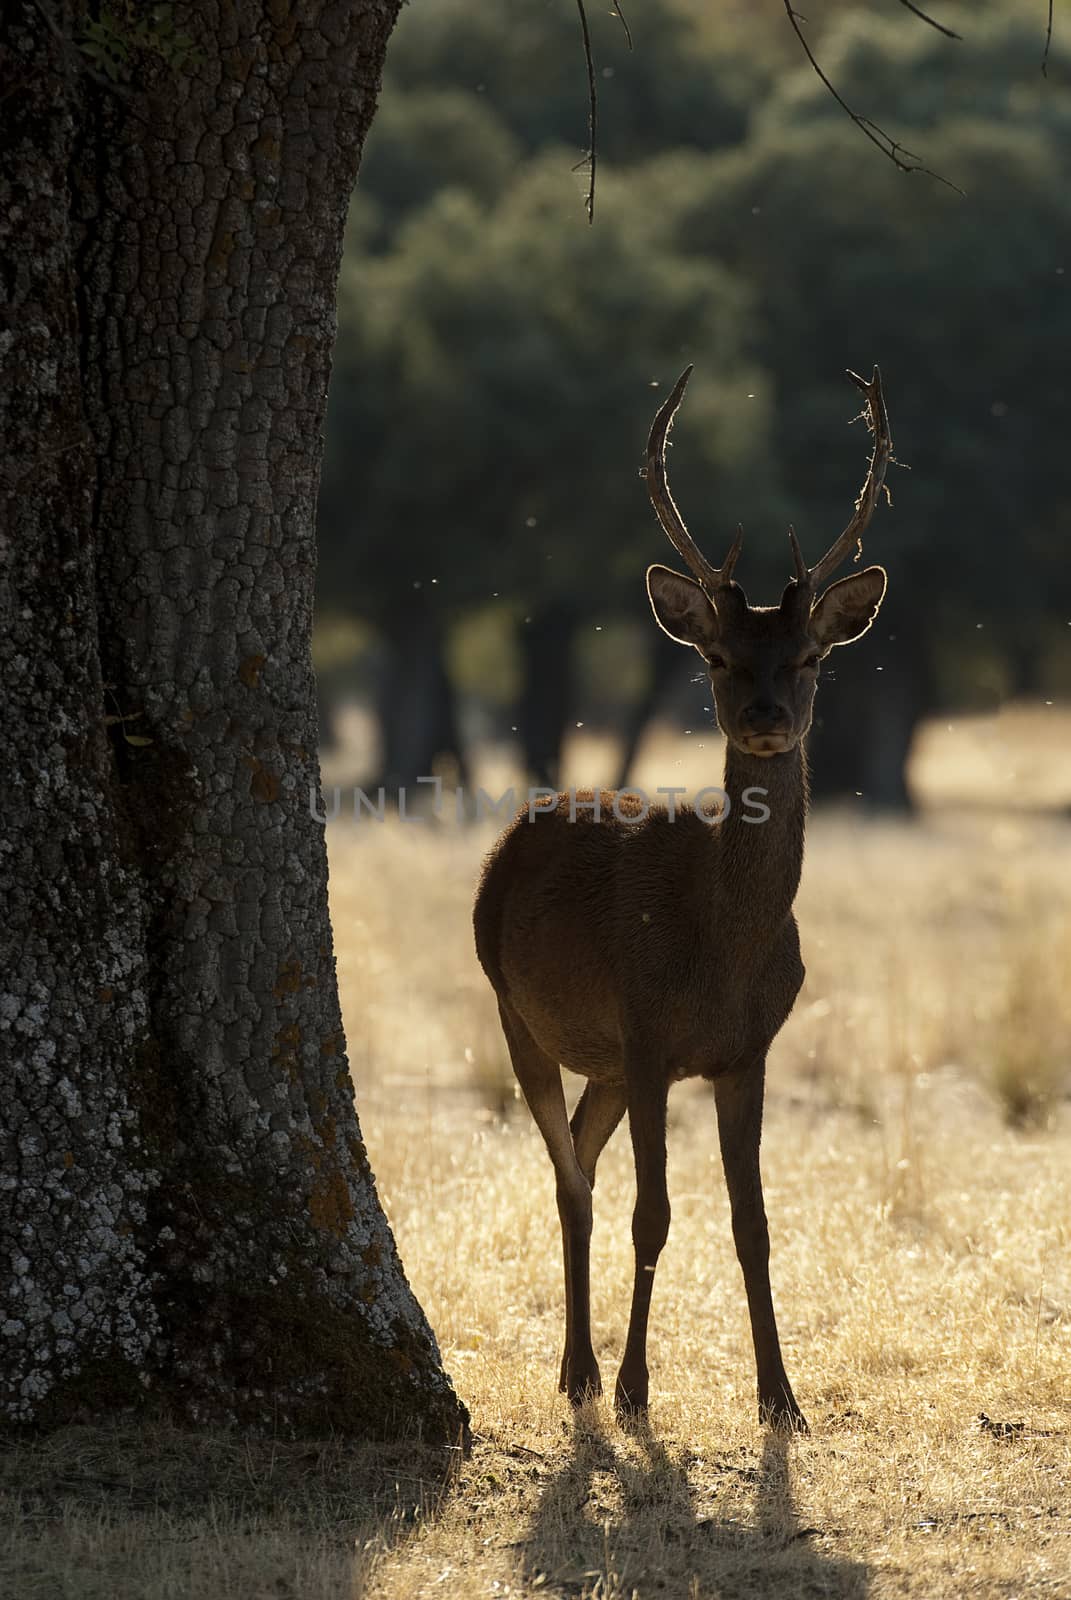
(642, 1521)
(203, 1510)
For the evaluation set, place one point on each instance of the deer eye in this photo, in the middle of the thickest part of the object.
(716, 663)
(808, 661)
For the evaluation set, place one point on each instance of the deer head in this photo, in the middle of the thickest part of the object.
(764, 660)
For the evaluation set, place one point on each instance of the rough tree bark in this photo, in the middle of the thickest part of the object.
(188, 1217)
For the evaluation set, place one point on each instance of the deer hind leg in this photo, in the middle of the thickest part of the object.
(541, 1083)
(650, 1226)
(598, 1112)
(738, 1097)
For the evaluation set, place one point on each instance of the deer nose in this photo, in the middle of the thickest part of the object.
(764, 716)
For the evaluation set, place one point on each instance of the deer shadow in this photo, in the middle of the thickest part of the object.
(622, 1515)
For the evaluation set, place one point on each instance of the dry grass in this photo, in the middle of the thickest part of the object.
(920, 1255)
(95, 1513)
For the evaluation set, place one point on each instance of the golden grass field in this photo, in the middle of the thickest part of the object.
(917, 1157)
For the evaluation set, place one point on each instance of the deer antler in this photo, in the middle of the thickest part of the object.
(711, 578)
(878, 423)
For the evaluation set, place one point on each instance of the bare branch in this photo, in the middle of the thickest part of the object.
(593, 109)
(620, 15)
(902, 158)
(948, 33)
(1048, 44)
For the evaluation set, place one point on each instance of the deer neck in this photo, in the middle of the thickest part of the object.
(760, 860)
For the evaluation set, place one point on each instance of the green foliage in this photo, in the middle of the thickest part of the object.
(125, 36)
(433, 141)
(689, 81)
(500, 367)
(917, 85)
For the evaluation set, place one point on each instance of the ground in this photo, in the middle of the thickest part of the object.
(916, 1153)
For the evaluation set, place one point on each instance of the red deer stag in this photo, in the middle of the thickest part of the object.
(637, 945)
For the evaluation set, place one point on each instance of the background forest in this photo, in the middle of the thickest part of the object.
(483, 529)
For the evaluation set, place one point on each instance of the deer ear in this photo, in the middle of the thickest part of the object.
(847, 608)
(681, 608)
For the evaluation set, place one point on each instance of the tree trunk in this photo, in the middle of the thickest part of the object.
(1024, 666)
(546, 644)
(665, 665)
(415, 703)
(189, 1220)
(865, 722)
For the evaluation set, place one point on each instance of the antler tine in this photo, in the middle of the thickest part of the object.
(725, 571)
(711, 578)
(878, 422)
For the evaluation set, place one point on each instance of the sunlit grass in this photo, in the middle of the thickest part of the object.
(920, 1243)
(916, 1154)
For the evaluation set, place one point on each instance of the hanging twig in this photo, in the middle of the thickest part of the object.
(1048, 42)
(948, 33)
(593, 98)
(620, 15)
(898, 154)
(593, 110)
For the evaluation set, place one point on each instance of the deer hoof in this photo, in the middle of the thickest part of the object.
(582, 1386)
(785, 1417)
(630, 1403)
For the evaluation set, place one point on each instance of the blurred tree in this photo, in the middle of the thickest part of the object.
(425, 142)
(909, 77)
(691, 80)
(498, 370)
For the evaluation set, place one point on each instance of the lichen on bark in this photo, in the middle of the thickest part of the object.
(189, 1221)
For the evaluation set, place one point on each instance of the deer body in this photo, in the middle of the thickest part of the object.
(664, 940)
(639, 949)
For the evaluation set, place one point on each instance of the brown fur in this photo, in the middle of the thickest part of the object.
(637, 952)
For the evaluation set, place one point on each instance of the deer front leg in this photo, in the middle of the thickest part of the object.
(650, 1226)
(738, 1097)
(599, 1110)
